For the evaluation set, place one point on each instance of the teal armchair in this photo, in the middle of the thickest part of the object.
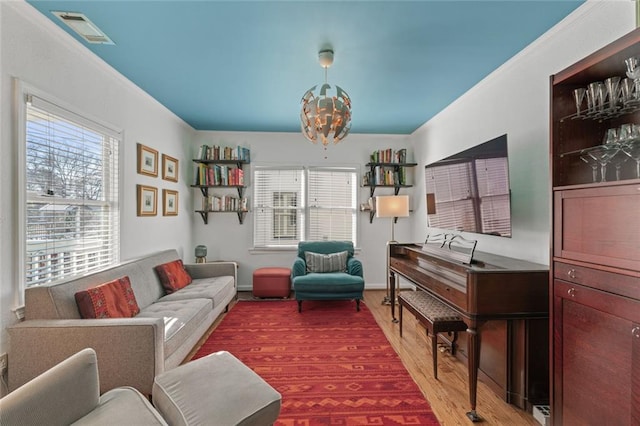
(323, 271)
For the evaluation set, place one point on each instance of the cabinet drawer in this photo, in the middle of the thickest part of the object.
(599, 225)
(624, 285)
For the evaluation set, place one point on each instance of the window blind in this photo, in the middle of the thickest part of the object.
(332, 204)
(71, 213)
(298, 204)
(279, 215)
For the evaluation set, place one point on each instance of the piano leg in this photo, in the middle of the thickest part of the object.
(392, 290)
(474, 364)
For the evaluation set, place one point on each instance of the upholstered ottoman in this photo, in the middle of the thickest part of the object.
(272, 282)
(215, 390)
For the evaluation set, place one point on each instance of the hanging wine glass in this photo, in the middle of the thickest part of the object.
(579, 95)
(603, 155)
(612, 85)
(591, 162)
(633, 72)
(632, 149)
(618, 160)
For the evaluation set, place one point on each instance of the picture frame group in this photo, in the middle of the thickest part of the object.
(147, 196)
(148, 163)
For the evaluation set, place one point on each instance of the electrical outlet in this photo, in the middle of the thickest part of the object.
(3, 363)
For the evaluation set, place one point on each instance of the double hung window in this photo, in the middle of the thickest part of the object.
(303, 204)
(70, 220)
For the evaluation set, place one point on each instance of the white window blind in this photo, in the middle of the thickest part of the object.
(332, 204)
(279, 215)
(303, 204)
(71, 213)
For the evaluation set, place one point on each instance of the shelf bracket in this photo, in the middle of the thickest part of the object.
(205, 192)
(205, 217)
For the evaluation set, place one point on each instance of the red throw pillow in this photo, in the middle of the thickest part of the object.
(114, 299)
(173, 276)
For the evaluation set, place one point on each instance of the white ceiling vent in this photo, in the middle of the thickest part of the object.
(84, 27)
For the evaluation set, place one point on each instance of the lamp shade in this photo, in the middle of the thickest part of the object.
(392, 206)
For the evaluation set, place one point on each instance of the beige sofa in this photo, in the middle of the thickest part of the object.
(217, 389)
(131, 351)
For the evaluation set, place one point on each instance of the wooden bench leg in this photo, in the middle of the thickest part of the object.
(453, 343)
(434, 350)
(400, 317)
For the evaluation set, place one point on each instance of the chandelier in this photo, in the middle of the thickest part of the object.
(325, 114)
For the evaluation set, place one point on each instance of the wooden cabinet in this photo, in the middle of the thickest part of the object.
(595, 270)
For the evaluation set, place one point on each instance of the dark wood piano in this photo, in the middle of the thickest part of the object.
(505, 303)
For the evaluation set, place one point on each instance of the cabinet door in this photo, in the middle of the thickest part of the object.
(599, 225)
(596, 357)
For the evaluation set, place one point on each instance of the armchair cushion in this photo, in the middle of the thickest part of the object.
(334, 262)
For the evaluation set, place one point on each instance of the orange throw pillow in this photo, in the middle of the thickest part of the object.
(114, 299)
(173, 276)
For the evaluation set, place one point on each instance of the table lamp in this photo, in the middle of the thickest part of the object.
(201, 254)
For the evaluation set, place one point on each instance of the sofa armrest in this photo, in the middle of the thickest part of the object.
(354, 266)
(59, 396)
(299, 268)
(213, 269)
(130, 350)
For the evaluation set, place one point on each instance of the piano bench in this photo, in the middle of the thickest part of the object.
(435, 316)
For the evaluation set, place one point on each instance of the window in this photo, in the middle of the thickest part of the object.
(304, 204)
(71, 220)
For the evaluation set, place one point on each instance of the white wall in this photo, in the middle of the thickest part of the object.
(515, 100)
(36, 51)
(226, 239)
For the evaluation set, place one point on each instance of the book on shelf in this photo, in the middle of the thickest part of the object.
(219, 175)
(224, 203)
(217, 152)
(389, 156)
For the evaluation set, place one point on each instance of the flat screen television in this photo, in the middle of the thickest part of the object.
(470, 192)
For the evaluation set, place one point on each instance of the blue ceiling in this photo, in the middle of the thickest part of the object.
(244, 65)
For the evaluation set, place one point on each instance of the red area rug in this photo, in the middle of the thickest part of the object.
(332, 365)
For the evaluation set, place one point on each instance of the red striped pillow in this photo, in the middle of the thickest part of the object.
(114, 299)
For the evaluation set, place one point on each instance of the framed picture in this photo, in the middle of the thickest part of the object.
(147, 200)
(169, 202)
(169, 168)
(147, 161)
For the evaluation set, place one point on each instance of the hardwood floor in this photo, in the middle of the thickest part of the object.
(448, 396)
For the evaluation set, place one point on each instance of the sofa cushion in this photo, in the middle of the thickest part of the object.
(214, 288)
(181, 319)
(173, 276)
(114, 299)
(122, 406)
(333, 262)
(332, 282)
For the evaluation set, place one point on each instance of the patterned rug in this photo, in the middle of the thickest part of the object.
(332, 364)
